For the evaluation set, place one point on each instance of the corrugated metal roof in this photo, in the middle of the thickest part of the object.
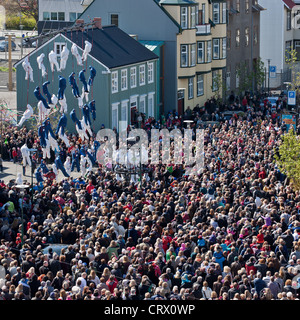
(177, 2)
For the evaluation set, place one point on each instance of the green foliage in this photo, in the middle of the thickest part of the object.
(13, 22)
(288, 158)
(291, 60)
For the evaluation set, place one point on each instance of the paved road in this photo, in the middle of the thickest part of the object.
(11, 171)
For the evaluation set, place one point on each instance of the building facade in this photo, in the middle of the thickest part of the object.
(243, 43)
(125, 76)
(57, 14)
(194, 36)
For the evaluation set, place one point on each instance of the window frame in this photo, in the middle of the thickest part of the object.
(124, 79)
(150, 69)
(209, 51)
(216, 5)
(193, 59)
(186, 54)
(203, 52)
(142, 79)
(133, 78)
(190, 88)
(200, 93)
(214, 42)
(184, 17)
(114, 82)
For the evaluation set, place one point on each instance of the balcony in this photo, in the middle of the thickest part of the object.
(203, 29)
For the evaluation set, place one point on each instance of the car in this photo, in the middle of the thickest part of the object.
(4, 45)
(27, 43)
(56, 247)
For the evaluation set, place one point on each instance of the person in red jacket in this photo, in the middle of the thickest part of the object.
(112, 283)
(262, 174)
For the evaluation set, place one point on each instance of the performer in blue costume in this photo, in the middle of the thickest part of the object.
(62, 84)
(75, 119)
(60, 131)
(43, 167)
(86, 115)
(46, 91)
(73, 83)
(92, 75)
(75, 160)
(92, 107)
(60, 166)
(40, 97)
(83, 80)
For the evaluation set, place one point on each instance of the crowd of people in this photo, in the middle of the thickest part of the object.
(229, 233)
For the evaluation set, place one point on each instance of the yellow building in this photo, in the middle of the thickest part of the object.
(201, 49)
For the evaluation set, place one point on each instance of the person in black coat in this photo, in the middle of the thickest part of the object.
(34, 284)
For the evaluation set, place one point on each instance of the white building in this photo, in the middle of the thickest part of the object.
(56, 14)
(277, 37)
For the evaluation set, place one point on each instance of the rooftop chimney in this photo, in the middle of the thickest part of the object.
(98, 23)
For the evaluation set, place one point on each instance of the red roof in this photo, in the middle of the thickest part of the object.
(289, 3)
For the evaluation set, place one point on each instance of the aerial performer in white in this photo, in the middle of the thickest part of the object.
(25, 157)
(52, 56)
(87, 50)
(26, 115)
(28, 69)
(75, 53)
(67, 165)
(64, 57)
(82, 165)
(40, 61)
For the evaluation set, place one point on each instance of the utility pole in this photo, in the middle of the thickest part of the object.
(10, 83)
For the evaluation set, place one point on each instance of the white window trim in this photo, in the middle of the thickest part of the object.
(216, 5)
(61, 45)
(187, 56)
(114, 89)
(150, 67)
(135, 82)
(126, 80)
(140, 72)
(203, 52)
(198, 82)
(185, 26)
(151, 96)
(115, 106)
(191, 85)
(193, 55)
(216, 41)
(209, 51)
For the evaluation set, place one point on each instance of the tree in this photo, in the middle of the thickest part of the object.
(287, 157)
(28, 8)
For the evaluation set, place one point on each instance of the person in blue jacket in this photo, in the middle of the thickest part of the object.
(48, 129)
(75, 160)
(73, 83)
(62, 84)
(62, 123)
(40, 97)
(85, 153)
(46, 91)
(92, 75)
(43, 167)
(86, 115)
(42, 135)
(39, 175)
(59, 165)
(92, 107)
(83, 80)
(75, 119)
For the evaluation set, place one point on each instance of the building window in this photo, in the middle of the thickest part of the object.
(200, 50)
(193, 17)
(124, 79)
(201, 14)
(216, 49)
(237, 76)
(247, 36)
(228, 39)
(255, 35)
(184, 17)
(216, 13)
(191, 88)
(200, 85)
(53, 16)
(208, 51)
(114, 82)
(224, 13)
(124, 112)
(184, 55)
(58, 46)
(72, 16)
(288, 48)
(289, 20)
(237, 37)
(193, 55)
(115, 116)
(150, 72)
(238, 7)
(61, 16)
(142, 106)
(224, 48)
(133, 77)
(297, 48)
(215, 75)
(247, 6)
(228, 75)
(46, 16)
(142, 75)
(114, 19)
(151, 104)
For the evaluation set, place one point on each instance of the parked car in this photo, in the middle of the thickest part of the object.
(4, 45)
(27, 43)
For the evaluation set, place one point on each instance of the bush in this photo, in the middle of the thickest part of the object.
(13, 23)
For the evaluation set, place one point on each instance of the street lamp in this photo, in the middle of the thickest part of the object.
(22, 187)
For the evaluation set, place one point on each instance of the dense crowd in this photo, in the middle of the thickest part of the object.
(231, 233)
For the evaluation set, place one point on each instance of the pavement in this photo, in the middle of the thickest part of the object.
(11, 170)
